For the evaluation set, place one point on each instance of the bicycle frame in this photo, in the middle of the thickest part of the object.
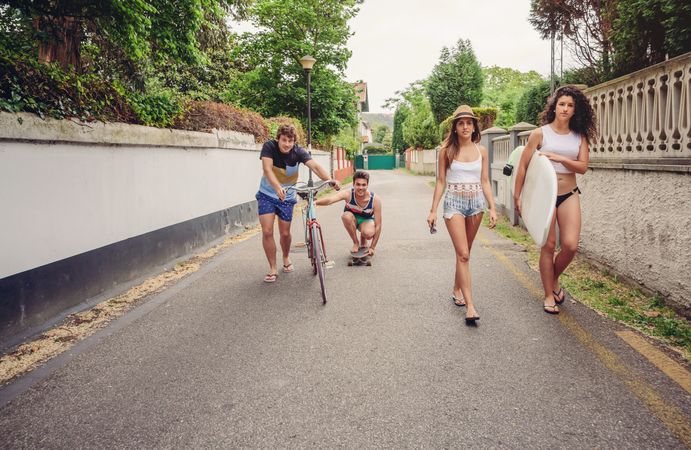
(314, 239)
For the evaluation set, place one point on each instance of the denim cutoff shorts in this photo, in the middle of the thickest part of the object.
(466, 200)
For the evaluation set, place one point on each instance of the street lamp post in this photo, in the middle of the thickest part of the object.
(307, 62)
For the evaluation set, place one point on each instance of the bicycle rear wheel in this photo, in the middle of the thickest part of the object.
(319, 258)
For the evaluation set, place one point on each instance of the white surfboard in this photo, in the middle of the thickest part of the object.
(539, 195)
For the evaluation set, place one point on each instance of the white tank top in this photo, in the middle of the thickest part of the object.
(465, 172)
(562, 144)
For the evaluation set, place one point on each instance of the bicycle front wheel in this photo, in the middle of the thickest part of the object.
(318, 258)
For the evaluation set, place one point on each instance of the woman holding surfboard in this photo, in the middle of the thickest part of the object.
(463, 170)
(568, 125)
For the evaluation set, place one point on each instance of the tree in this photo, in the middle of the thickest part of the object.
(420, 129)
(503, 88)
(648, 31)
(348, 139)
(388, 139)
(397, 141)
(585, 27)
(402, 102)
(380, 131)
(274, 82)
(532, 102)
(137, 29)
(455, 80)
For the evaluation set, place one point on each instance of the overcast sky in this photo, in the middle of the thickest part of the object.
(397, 42)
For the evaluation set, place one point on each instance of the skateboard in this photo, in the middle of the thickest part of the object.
(360, 258)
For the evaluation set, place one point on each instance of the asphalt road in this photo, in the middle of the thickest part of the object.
(224, 360)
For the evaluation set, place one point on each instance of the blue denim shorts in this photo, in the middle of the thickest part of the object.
(465, 205)
(269, 205)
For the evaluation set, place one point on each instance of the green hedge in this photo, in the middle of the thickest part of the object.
(48, 91)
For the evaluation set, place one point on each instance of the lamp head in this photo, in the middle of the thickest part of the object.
(307, 62)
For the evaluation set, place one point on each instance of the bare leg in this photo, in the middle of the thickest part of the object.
(569, 219)
(286, 240)
(456, 226)
(547, 267)
(472, 225)
(366, 232)
(267, 223)
(350, 225)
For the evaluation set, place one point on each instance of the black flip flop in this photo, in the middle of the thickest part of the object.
(471, 320)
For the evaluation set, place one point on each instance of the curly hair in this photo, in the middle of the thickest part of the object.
(286, 130)
(583, 120)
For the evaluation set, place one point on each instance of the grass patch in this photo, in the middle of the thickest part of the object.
(606, 294)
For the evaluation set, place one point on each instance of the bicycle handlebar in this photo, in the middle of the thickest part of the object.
(302, 188)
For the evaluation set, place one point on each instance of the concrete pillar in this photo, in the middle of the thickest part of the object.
(486, 140)
(515, 130)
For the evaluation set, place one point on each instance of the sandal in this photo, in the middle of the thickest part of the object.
(550, 309)
(270, 277)
(458, 301)
(287, 268)
(471, 320)
(560, 296)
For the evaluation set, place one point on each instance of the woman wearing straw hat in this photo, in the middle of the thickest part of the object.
(463, 170)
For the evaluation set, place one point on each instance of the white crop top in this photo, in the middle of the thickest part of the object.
(465, 172)
(562, 144)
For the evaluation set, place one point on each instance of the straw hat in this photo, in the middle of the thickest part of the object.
(464, 111)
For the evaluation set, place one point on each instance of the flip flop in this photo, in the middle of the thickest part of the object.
(553, 309)
(458, 301)
(288, 268)
(270, 277)
(559, 297)
(471, 320)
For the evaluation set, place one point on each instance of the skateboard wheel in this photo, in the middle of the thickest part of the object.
(350, 263)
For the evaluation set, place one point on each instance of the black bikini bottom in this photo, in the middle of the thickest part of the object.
(562, 197)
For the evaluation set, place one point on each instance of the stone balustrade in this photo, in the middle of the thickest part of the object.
(644, 117)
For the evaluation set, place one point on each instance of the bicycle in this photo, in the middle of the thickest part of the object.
(314, 240)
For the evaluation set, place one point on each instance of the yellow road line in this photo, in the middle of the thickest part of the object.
(673, 417)
(663, 362)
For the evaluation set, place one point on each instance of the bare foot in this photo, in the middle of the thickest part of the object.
(355, 248)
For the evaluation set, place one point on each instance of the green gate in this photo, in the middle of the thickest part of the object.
(376, 162)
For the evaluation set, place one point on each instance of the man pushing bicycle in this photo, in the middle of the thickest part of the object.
(362, 212)
(280, 160)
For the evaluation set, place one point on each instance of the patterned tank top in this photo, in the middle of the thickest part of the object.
(353, 207)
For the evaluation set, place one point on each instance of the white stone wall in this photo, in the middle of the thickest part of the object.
(68, 188)
(423, 161)
(639, 223)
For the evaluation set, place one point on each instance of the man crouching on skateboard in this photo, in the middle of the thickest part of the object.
(362, 212)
